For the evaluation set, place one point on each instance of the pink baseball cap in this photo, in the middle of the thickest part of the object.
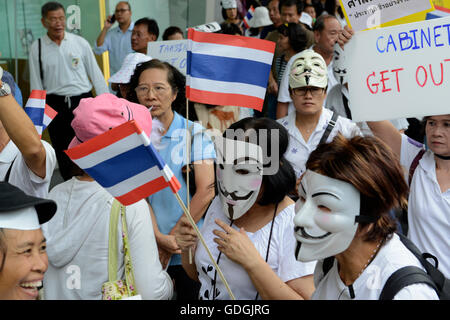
(95, 116)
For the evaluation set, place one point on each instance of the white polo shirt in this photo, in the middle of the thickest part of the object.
(298, 150)
(428, 206)
(67, 68)
(21, 176)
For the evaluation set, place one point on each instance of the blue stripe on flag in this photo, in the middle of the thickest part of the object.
(36, 115)
(123, 166)
(228, 69)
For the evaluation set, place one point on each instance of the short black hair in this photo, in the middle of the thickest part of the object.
(276, 186)
(171, 31)
(230, 28)
(126, 2)
(289, 3)
(152, 25)
(50, 6)
(296, 34)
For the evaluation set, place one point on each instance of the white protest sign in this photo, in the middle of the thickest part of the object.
(172, 51)
(367, 14)
(401, 71)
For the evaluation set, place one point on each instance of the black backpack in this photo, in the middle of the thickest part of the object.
(409, 275)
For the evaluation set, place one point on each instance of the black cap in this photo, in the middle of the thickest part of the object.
(12, 198)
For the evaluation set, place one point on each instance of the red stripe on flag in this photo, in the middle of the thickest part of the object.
(441, 9)
(142, 191)
(174, 184)
(50, 112)
(38, 94)
(104, 140)
(231, 40)
(224, 99)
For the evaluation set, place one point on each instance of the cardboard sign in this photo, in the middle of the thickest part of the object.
(173, 52)
(401, 71)
(369, 14)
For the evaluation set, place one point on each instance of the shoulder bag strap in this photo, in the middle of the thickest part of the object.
(129, 274)
(112, 245)
(41, 72)
(414, 165)
(346, 107)
(330, 127)
(402, 278)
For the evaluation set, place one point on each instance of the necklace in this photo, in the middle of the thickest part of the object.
(372, 256)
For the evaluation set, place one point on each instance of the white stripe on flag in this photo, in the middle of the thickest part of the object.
(226, 87)
(111, 151)
(35, 103)
(134, 182)
(46, 121)
(39, 129)
(227, 51)
(167, 173)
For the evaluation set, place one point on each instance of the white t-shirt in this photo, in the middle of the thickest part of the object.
(78, 241)
(428, 207)
(368, 286)
(281, 256)
(298, 150)
(21, 176)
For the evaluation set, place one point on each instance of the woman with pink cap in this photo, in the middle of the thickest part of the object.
(77, 236)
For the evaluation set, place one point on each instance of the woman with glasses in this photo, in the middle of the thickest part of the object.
(311, 123)
(161, 88)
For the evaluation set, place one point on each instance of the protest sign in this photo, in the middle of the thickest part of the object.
(401, 71)
(173, 52)
(369, 14)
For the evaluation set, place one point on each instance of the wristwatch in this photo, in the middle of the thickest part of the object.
(4, 88)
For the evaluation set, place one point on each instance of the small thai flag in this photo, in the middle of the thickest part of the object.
(123, 161)
(248, 17)
(40, 113)
(228, 70)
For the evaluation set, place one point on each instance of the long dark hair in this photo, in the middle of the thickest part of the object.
(175, 78)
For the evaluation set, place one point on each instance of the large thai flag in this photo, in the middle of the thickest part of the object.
(248, 17)
(123, 161)
(228, 70)
(40, 113)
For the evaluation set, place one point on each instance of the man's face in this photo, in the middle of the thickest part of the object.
(55, 23)
(123, 13)
(274, 13)
(140, 37)
(326, 38)
(289, 14)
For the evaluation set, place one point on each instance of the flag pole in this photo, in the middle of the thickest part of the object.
(191, 220)
(188, 168)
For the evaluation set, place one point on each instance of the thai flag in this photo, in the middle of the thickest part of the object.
(228, 70)
(40, 113)
(248, 17)
(123, 161)
(439, 12)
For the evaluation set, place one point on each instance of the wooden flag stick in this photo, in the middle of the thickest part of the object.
(191, 220)
(188, 169)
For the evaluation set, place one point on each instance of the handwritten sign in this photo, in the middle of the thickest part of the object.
(400, 71)
(369, 14)
(173, 52)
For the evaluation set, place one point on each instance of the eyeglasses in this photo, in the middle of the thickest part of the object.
(54, 20)
(301, 92)
(121, 11)
(144, 89)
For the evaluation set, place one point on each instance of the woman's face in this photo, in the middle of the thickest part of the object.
(231, 13)
(155, 91)
(437, 129)
(25, 264)
(283, 42)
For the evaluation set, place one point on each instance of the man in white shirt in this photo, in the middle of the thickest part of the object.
(64, 65)
(25, 161)
(117, 41)
(326, 32)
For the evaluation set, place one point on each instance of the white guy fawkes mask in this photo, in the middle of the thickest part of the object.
(308, 69)
(339, 65)
(239, 175)
(322, 233)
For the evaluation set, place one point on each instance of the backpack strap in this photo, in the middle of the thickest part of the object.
(330, 127)
(8, 173)
(41, 73)
(402, 278)
(327, 265)
(414, 165)
(346, 107)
